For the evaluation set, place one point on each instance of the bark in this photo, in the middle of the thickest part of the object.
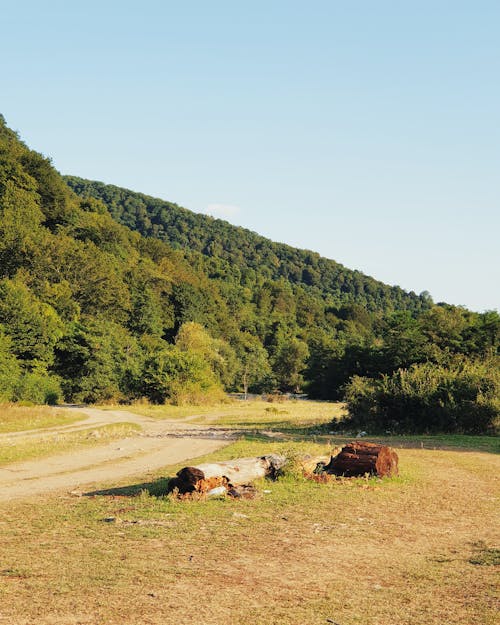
(205, 477)
(359, 458)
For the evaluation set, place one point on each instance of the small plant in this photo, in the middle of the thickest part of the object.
(293, 467)
(485, 556)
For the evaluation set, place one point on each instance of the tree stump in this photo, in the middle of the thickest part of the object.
(360, 458)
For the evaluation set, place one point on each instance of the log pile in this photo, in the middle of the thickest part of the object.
(360, 458)
(234, 477)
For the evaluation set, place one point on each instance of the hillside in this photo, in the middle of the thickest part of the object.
(88, 308)
(93, 311)
(254, 257)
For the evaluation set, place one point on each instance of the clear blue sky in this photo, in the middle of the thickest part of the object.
(368, 131)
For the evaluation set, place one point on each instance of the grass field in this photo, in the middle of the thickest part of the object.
(419, 549)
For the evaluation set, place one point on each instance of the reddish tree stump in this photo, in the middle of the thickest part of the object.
(360, 458)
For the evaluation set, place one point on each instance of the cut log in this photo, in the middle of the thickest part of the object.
(360, 458)
(205, 477)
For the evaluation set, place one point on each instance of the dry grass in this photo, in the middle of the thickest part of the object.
(15, 418)
(254, 414)
(16, 449)
(414, 550)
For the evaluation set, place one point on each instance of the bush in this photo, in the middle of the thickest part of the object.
(38, 388)
(180, 378)
(462, 397)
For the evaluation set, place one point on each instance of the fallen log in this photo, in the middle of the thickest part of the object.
(360, 458)
(205, 477)
(309, 464)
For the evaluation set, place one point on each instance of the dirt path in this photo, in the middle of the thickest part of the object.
(160, 443)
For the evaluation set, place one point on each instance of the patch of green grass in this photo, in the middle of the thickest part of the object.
(165, 411)
(18, 449)
(304, 420)
(485, 556)
(15, 418)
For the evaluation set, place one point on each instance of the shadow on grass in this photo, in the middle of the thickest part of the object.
(157, 488)
(445, 442)
(326, 433)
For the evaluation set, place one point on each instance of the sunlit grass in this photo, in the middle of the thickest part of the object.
(253, 414)
(402, 550)
(418, 548)
(17, 449)
(15, 418)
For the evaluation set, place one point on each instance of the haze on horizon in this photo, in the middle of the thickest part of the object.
(367, 133)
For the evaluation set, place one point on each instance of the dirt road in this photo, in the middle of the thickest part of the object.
(160, 443)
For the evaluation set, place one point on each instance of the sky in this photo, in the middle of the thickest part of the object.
(368, 131)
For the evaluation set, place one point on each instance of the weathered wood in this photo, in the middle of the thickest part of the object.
(205, 477)
(309, 463)
(359, 458)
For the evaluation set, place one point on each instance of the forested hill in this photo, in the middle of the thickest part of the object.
(93, 311)
(252, 258)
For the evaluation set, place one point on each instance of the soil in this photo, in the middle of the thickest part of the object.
(160, 443)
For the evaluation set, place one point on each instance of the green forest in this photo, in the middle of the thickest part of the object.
(111, 295)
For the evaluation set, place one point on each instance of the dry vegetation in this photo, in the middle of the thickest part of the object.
(16, 449)
(255, 414)
(16, 418)
(415, 550)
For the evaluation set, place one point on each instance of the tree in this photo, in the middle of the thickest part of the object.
(99, 361)
(461, 396)
(217, 353)
(170, 374)
(289, 362)
(254, 370)
(33, 326)
(20, 218)
(10, 369)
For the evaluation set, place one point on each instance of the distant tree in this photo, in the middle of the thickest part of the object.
(20, 218)
(98, 361)
(217, 353)
(254, 370)
(289, 362)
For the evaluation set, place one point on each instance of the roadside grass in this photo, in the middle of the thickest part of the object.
(15, 418)
(16, 449)
(416, 549)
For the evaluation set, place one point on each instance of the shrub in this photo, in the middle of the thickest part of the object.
(38, 388)
(462, 397)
